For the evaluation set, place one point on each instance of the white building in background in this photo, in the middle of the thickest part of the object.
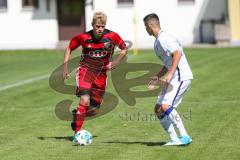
(28, 25)
(38, 24)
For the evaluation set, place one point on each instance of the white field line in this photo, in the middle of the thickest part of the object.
(31, 80)
(27, 81)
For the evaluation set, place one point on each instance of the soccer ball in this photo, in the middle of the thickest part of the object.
(83, 138)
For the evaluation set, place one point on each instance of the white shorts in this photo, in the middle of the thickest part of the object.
(172, 93)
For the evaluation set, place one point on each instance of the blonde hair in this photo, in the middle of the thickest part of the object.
(101, 16)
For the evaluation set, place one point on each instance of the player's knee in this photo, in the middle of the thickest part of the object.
(159, 111)
(84, 100)
(157, 108)
(165, 107)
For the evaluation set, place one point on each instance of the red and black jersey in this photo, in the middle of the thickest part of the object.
(96, 53)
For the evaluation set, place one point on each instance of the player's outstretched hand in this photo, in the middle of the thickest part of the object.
(153, 82)
(111, 66)
(65, 74)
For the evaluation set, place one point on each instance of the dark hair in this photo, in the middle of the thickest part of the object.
(151, 16)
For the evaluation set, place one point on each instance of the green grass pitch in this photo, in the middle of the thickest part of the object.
(30, 130)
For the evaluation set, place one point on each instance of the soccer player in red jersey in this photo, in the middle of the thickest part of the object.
(98, 47)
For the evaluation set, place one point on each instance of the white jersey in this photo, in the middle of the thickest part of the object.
(164, 46)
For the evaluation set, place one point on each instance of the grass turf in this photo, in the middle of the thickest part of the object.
(29, 128)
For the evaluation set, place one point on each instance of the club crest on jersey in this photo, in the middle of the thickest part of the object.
(107, 44)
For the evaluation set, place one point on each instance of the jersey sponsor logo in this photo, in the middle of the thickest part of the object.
(98, 53)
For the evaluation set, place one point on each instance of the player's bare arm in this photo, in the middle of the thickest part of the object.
(117, 61)
(162, 72)
(175, 60)
(154, 80)
(65, 72)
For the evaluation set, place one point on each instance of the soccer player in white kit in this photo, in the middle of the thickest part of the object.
(177, 76)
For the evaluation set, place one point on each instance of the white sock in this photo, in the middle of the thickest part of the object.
(177, 122)
(168, 127)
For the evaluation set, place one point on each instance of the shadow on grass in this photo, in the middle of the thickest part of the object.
(142, 143)
(67, 138)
